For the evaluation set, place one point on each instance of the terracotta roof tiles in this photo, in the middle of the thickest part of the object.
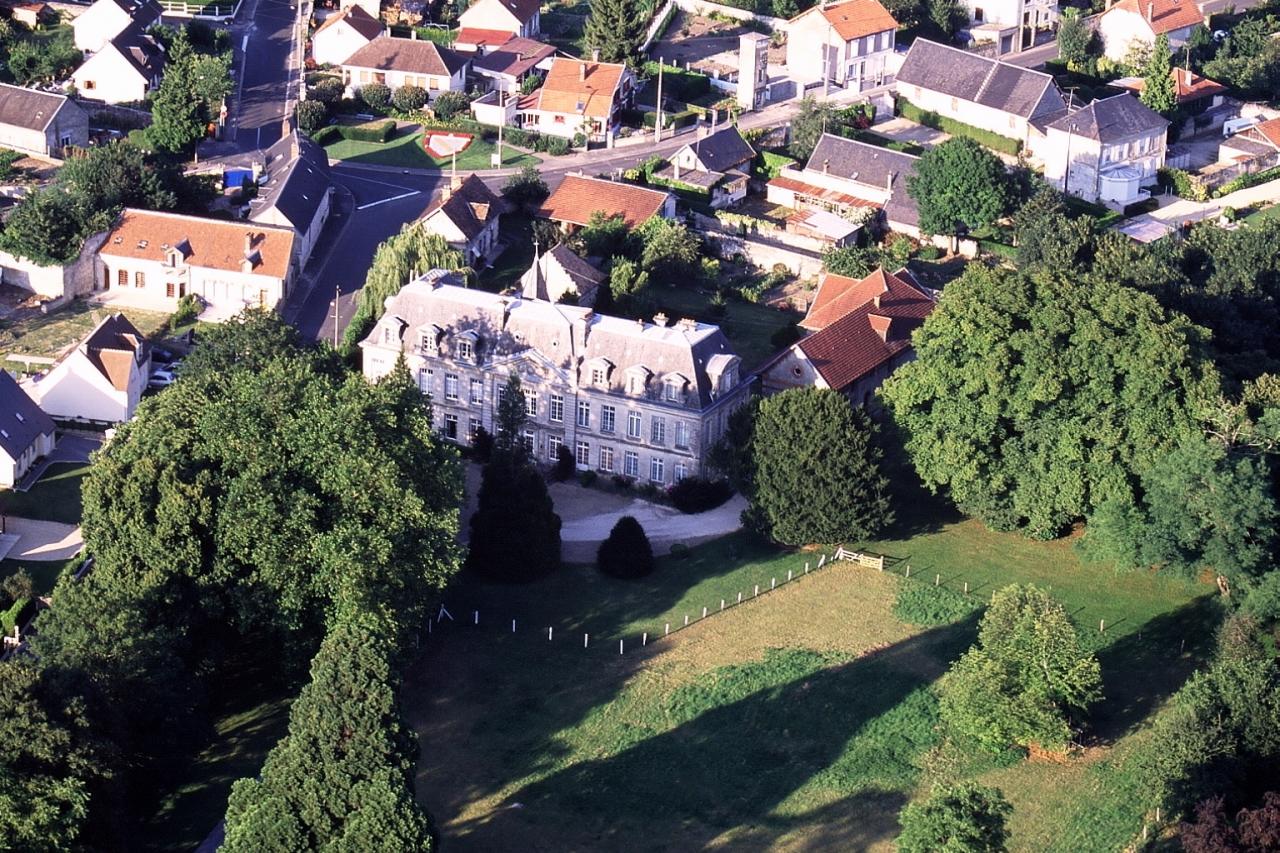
(858, 18)
(209, 243)
(1165, 16)
(580, 87)
(578, 197)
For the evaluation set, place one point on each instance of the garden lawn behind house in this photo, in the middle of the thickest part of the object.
(54, 497)
(44, 573)
(748, 325)
(405, 150)
(801, 720)
(49, 335)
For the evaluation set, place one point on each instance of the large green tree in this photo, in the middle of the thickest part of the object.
(962, 818)
(507, 544)
(808, 124)
(343, 777)
(1158, 90)
(1027, 681)
(1035, 397)
(959, 185)
(615, 28)
(1047, 236)
(411, 252)
(672, 253)
(817, 471)
(1075, 38)
(189, 96)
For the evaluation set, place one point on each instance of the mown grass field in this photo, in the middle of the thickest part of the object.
(54, 497)
(52, 334)
(748, 326)
(800, 721)
(406, 151)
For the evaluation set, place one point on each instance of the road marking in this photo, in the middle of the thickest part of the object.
(346, 169)
(244, 43)
(385, 200)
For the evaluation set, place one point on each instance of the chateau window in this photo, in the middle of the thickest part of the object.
(606, 459)
(477, 391)
(673, 392)
(607, 418)
(553, 447)
(682, 471)
(425, 378)
(465, 351)
(657, 431)
(631, 463)
(584, 413)
(682, 434)
(451, 427)
(633, 424)
(530, 402)
(473, 427)
(583, 454)
(656, 466)
(556, 412)
(451, 387)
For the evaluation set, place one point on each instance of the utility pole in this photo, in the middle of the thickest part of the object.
(337, 295)
(657, 125)
(496, 159)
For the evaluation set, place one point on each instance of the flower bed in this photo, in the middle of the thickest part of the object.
(445, 144)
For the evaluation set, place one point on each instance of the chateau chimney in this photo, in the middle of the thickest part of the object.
(660, 319)
(640, 322)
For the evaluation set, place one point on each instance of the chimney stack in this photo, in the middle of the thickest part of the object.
(660, 319)
(826, 166)
(248, 243)
(888, 182)
(413, 33)
(582, 71)
(1151, 11)
(595, 54)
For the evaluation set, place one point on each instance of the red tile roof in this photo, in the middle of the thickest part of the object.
(357, 18)
(792, 184)
(578, 197)
(858, 18)
(209, 243)
(1165, 15)
(580, 87)
(838, 295)
(478, 36)
(1188, 85)
(870, 335)
(1268, 130)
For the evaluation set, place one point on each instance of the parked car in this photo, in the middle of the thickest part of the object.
(163, 377)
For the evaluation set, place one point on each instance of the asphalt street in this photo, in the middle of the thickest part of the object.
(267, 46)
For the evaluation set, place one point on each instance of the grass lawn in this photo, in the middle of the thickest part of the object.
(799, 721)
(516, 260)
(44, 574)
(49, 335)
(1260, 216)
(748, 326)
(405, 150)
(54, 497)
(251, 714)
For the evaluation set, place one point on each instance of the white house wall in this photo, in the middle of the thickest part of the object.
(107, 76)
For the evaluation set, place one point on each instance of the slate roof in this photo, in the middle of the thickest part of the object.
(578, 197)
(568, 336)
(870, 334)
(21, 420)
(113, 348)
(873, 165)
(1165, 15)
(141, 51)
(516, 57)
(356, 18)
(296, 184)
(723, 150)
(28, 108)
(578, 268)
(1112, 119)
(579, 87)
(209, 243)
(413, 56)
(857, 18)
(970, 77)
(470, 207)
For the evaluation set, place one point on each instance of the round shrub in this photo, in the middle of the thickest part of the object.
(565, 464)
(699, 494)
(376, 96)
(410, 98)
(311, 116)
(327, 90)
(449, 104)
(626, 553)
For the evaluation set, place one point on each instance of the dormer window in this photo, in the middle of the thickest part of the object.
(597, 376)
(673, 388)
(388, 336)
(465, 350)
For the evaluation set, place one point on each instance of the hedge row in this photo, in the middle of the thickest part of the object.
(995, 141)
(372, 131)
(1246, 181)
(684, 118)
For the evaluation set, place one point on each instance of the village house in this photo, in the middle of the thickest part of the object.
(847, 184)
(718, 164)
(860, 332)
(480, 42)
(296, 192)
(1019, 19)
(26, 432)
(467, 218)
(343, 34)
(151, 260)
(518, 17)
(985, 93)
(101, 380)
(102, 22)
(124, 70)
(561, 276)
(40, 123)
(1194, 92)
(578, 197)
(579, 96)
(1106, 151)
(644, 400)
(1131, 24)
(397, 62)
(845, 43)
(507, 67)
(372, 8)
(1253, 149)
(32, 15)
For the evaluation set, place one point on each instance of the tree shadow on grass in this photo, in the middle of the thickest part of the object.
(1144, 668)
(732, 765)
